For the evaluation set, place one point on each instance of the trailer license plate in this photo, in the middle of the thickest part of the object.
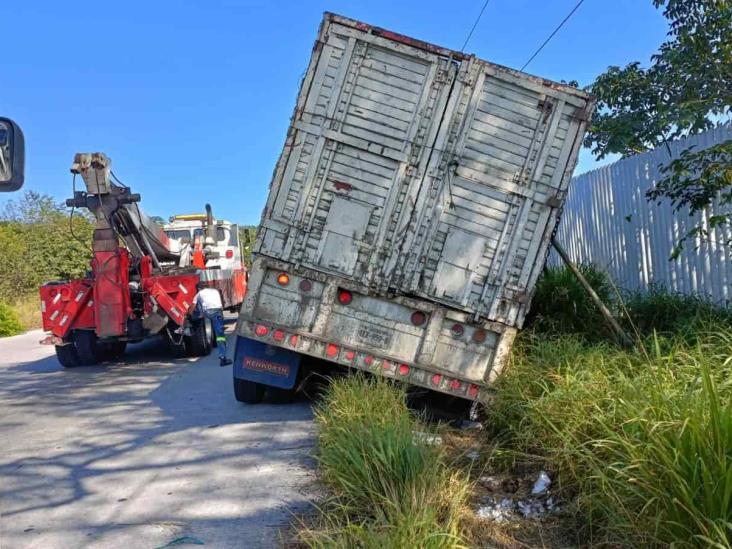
(267, 367)
(373, 335)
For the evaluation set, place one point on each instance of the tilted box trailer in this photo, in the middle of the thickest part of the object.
(409, 214)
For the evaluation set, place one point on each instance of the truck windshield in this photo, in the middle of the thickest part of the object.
(183, 235)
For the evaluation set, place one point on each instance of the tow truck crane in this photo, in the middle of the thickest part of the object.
(140, 289)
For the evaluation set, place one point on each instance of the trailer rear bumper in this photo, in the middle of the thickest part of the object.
(412, 340)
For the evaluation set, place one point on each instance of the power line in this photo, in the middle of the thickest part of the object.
(477, 20)
(552, 34)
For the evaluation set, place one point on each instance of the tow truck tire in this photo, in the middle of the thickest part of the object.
(199, 342)
(66, 355)
(115, 349)
(87, 347)
(248, 392)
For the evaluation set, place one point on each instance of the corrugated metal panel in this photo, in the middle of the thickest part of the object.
(608, 221)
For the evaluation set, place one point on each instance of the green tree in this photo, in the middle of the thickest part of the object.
(40, 241)
(247, 236)
(686, 89)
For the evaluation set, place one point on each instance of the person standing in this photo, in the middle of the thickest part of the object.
(208, 305)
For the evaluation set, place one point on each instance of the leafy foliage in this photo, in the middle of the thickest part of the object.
(686, 89)
(9, 323)
(37, 244)
(247, 236)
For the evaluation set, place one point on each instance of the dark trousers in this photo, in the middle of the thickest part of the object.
(217, 323)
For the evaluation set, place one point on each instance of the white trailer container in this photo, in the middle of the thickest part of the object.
(415, 179)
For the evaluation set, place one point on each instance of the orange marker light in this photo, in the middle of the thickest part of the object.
(283, 279)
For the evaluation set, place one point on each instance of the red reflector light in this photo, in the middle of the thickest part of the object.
(261, 330)
(369, 360)
(457, 330)
(345, 297)
(229, 254)
(293, 340)
(278, 335)
(386, 365)
(480, 335)
(454, 384)
(283, 279)
(350, 355)
(331, 350)
(436, 379)
(418, 318)
(306, 285)
(403, 370)
(473, 391)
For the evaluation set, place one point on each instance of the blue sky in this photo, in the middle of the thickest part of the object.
(192, 99)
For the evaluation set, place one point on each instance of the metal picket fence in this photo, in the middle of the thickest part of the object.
(608, 221)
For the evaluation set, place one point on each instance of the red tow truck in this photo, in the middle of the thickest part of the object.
(142, 282)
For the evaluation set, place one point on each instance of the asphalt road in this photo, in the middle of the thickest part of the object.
(143, 452)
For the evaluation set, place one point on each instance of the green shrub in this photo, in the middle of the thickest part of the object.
(391, 490)
(9, 323)
(561, 305)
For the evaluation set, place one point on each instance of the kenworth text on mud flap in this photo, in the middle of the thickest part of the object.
(409, 214)
(141, 283)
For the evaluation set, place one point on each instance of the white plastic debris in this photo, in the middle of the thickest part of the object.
(470, 425)
(430, 439)
(490, 483)
(531, 509)
(497, 511)
(542, 484)
(472, 455)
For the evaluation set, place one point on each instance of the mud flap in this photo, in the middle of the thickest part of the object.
(265, 364)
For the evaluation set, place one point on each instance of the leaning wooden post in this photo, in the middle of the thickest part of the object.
(619, 332)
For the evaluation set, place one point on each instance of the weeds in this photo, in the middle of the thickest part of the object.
(643, 439)
(390, 489)
(9, 323)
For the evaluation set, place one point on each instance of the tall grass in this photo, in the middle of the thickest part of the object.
(391, 490)
(9, 322)
(642, 438)
(28, 310)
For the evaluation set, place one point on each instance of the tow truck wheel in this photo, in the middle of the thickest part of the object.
(115, 349)
(88, 348)
(248, 392)
(199, 342)
(66, 355)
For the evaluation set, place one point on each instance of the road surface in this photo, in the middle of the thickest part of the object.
(143, 452)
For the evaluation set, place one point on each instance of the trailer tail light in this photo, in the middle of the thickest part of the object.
(293, 341)
(455, 385)
(278, 335)
(229, 254)
(473, 391)
(436, 379)
(418, 318)
(345, 297)
(403, 370)
(261, 330)
(283, 279)
(331, 350)
(480, 335)
(368, 360)
(350, 355)
(306, 285)
(457, 330)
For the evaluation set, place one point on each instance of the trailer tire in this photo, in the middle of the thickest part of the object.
(249, 392)
(88, 348)
(277, 395)
(66, 355)
(199, 342)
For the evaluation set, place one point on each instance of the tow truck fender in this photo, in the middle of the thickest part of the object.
(265, 364)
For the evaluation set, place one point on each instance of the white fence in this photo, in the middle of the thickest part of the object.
(608, 221)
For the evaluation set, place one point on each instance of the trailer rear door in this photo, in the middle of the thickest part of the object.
(358, 146)
(489, 205)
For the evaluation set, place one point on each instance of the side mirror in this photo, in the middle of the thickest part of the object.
(12, 156)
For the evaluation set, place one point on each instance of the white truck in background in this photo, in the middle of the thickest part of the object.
(408, 217)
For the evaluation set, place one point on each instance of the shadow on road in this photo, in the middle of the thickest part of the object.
(147, 445)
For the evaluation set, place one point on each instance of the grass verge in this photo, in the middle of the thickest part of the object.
(641, 440)
(28, 311)
(390, 488)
